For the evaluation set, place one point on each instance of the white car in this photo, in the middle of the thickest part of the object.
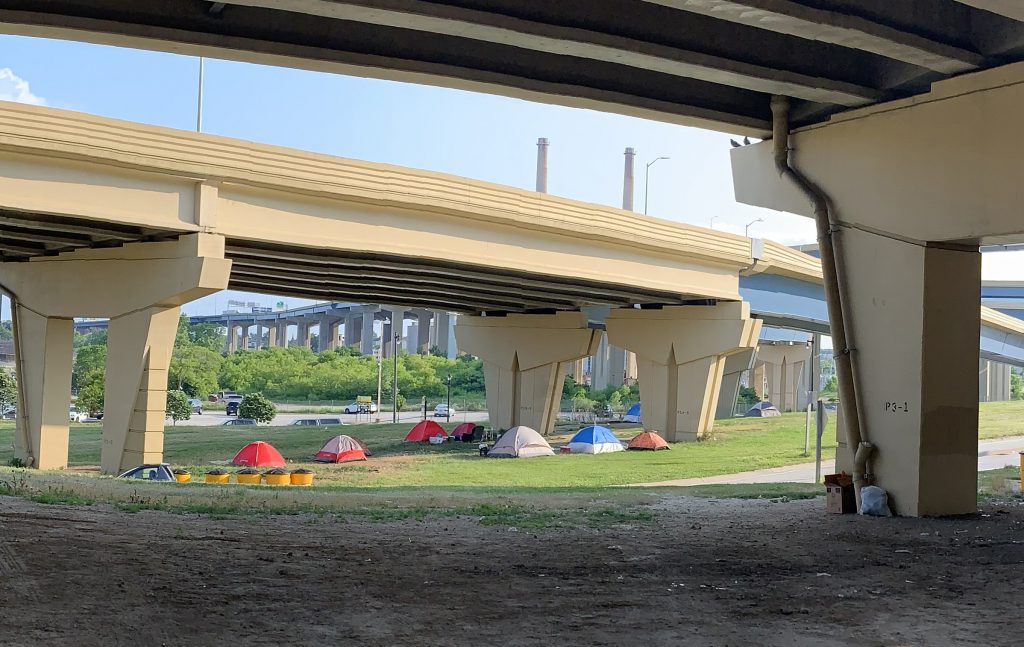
(443, 411)
(357, 407)
(75, 416)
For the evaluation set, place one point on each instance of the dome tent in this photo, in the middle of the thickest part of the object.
(520, 442)
(258, 454)
(648, 440)
(466, 431)
(424, 431)
(762, 410)
(633, 414)
(594, 439)
(341, 449)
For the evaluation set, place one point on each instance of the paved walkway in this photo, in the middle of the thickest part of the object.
(992, 454)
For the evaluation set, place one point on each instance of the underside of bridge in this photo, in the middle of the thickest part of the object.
(901, 126)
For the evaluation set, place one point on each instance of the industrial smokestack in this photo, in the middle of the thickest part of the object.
(627, 181)
(542, 165)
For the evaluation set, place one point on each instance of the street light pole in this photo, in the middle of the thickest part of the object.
(199, 102)
(380, 380)
(647, 179)
(394, 390)
(746, 230)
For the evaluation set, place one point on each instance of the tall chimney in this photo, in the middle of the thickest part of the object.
(627, 181)
(542, 165)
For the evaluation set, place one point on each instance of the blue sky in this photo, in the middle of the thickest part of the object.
(476, 135)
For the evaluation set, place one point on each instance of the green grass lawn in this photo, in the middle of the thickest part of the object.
(736, 445)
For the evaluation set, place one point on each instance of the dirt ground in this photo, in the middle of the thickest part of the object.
(703, 573)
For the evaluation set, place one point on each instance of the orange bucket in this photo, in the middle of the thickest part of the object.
(302, 478)
(249, 479)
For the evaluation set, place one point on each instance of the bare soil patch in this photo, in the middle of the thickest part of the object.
(704, 572)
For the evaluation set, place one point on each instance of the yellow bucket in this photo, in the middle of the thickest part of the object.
(183, 478)
(302, 479)
(278, 479)
(249, 479)
(217, 478)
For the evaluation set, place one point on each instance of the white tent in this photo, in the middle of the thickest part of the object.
(521, 442)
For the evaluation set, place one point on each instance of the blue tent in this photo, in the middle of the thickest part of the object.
(594, 440)
(633, 415)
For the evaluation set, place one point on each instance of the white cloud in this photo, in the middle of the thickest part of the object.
(14, 88)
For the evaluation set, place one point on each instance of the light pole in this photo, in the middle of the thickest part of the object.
(394, 385)
(647, 178)
(711, 224)
(199, 102)
(380, 381)
(746, 230)
(449, 410)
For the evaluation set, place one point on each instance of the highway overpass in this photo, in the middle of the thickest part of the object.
(895, 127)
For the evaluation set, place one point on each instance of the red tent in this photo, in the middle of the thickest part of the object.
(341, 449)
(424, 431)
(465, 429)
(258, 454)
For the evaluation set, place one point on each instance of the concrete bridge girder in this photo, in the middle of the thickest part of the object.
(143, 314)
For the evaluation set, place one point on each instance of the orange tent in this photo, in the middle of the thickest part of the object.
(648, 440)
(424, 431)
(258, 454)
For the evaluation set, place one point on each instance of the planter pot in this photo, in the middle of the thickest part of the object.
(278, 479)
(302, 479)
(249, 479)
(183, 478)
(217, 478)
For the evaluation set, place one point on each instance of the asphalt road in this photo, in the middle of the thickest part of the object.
(214, 418)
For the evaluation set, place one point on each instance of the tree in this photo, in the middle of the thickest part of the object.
(90, 359)
(178, 407)
(831, 385)
(8, 389)
(257, 407)
(194, 370)
(208, 336)
(6, 330)
(90, 392)
(1016, 386)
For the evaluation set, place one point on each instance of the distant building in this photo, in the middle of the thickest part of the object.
(6, 354)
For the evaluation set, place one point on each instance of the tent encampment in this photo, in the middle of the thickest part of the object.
(341, 449)
(594, 439)
(633, 414)
(520, 442)
(648, 440)
(466, 431)
(258, 454)
(424, 431)
(762, 410)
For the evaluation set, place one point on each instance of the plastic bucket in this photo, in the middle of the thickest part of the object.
(249, 479)
(278, 479)
(217, 478)
(302, 479)
(183, 478)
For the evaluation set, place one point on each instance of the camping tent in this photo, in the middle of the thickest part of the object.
(258, 454)
(520, 442)
(424, 431)
(341, 449)
(648, 440)
(762, 410)
(633, 414)
(466, 429)
(594, 439)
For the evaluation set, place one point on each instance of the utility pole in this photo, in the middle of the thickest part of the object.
(647, 179)
(449, 411)
(199, 102)
(380, 376)
(394, 348)
(542, 165)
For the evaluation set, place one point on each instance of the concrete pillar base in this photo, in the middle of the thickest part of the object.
(681, 353)
(524, 358)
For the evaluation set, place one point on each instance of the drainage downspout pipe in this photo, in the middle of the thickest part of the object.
(835, 297)
(21, 425)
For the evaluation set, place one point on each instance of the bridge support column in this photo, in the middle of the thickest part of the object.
(282, 334)
(423, 319)
(441, 328)
(245, 336)
(153, 280)
(350, 332)
(681, 355)
(524, 362)
(993, 381)
(43, 356)
(735, 365)
(366, 334)
(271, 335)
(785, 372)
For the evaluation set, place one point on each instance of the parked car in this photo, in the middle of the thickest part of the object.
(317, 422)
(232, 407)
(442, 411)
(9, 413)
(75, 416)
(361, 407)
(149, 472)
(239, 421)
(197, 406)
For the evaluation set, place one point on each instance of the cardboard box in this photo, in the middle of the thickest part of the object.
(839, 497)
